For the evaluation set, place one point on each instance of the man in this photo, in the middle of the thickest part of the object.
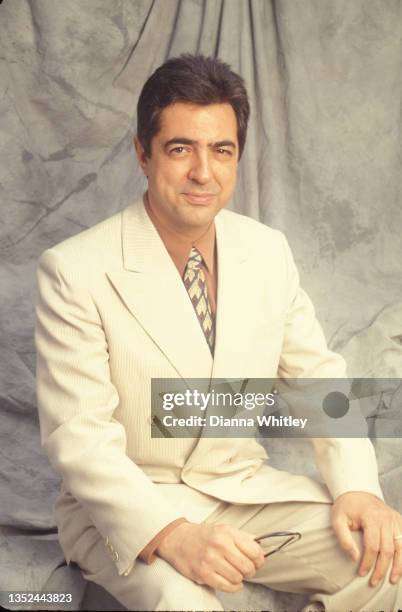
(176, 287)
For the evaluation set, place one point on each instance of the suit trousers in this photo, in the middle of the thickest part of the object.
(315, 565)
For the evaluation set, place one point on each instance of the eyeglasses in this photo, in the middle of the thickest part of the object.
(291, 538)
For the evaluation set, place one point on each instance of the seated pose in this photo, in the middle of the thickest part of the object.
(175, 286)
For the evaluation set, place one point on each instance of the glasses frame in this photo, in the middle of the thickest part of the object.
(293, 536)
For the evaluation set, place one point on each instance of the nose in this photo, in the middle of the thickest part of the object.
(200, 170)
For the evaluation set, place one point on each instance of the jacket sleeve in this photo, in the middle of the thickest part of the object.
(76, 398)
(346, 464)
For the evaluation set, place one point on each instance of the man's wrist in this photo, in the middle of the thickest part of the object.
(165, 543)
(148, 554)
(356, 492)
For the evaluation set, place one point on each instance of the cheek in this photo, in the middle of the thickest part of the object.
(170, 177)
(228, 178)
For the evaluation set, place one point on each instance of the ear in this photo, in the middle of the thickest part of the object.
(141, 156)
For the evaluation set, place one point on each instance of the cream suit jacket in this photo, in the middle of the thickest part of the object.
(112, 313)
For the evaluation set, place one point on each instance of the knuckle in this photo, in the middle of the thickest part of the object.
(219, 537)
(237, 577)
(233, 588)
(248, 569)
(220, 541)
(203, 569)
(256, 550)
(387, 552)
(209, 557)
(223, 585)
(372, 548)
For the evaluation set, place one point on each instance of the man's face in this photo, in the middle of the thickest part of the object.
(193, 164)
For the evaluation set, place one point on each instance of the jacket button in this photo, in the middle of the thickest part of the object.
(128, 570)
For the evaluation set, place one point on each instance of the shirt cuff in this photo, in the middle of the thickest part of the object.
(148, 553)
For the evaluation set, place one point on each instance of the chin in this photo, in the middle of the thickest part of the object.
(198, 218)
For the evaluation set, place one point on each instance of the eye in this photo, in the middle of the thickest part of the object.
(178, 150)
(225, 152)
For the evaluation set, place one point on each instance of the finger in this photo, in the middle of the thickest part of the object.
(371, 540)
(218, 582)
(205, 574)
(241, 562)
(385, 556)
(345, 538)
(228, 570)
(396, 571)
(250, 548)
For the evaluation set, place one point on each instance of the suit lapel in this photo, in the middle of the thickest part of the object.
(232, 276)
(153, 291)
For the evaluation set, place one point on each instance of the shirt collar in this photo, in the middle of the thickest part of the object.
(179, 247)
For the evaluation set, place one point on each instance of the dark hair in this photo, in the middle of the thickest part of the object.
(190, 78)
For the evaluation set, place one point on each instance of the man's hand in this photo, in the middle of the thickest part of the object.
(218, 556)
(380, 524)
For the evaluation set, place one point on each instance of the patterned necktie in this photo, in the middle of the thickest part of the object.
(194, 280)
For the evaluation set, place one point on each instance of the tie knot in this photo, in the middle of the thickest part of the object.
(194, 260)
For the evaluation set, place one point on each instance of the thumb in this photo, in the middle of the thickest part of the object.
(344, 535)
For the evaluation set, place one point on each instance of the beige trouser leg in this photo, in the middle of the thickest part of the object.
(148, 587)
(315, 565)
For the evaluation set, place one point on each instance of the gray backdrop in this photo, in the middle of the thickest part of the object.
(322, 163)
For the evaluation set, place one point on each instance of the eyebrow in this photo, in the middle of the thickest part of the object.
(188, 141)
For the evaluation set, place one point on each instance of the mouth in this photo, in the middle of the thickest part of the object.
(199, 198)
